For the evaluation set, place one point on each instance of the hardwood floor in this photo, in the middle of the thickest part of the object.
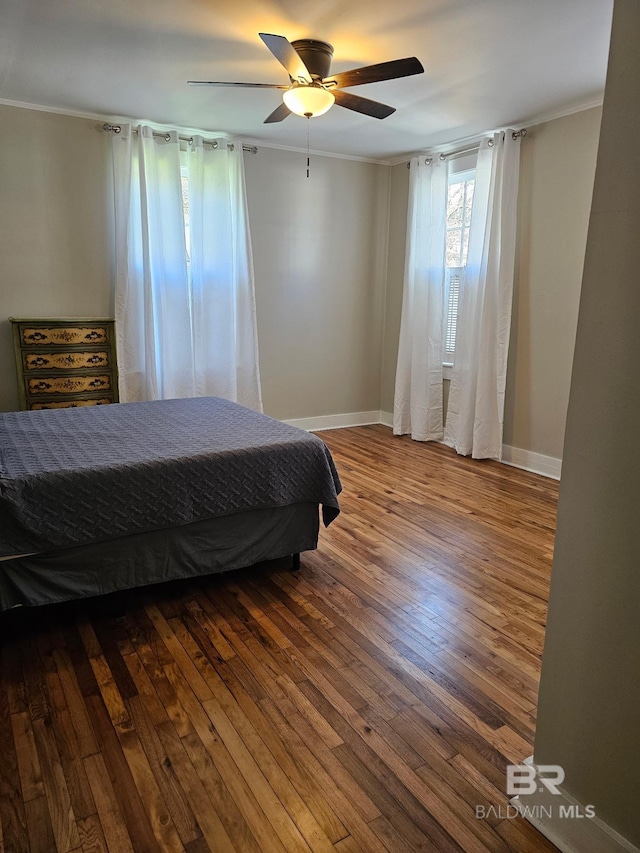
(369, 702)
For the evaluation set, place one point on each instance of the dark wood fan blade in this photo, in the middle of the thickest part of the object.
(240, 85)
(361, 105)
(286, 55)
(279, 114)
(374, 73)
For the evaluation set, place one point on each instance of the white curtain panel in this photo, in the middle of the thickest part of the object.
(183, 332)
(418, 401)
(152, 305)
(475, 410)
(225, 338)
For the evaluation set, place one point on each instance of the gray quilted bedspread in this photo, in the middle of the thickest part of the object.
(73, 476)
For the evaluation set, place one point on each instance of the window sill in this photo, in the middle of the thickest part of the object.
(446, 370)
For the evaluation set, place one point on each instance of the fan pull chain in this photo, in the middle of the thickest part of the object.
(308, 125)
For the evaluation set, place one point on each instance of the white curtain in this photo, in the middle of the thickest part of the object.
(418, 407)
(184, 329)
(475, 409)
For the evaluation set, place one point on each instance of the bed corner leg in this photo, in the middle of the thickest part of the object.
(295, 563)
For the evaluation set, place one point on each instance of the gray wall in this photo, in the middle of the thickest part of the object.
(319, 244)
(329, 260)
(558, 161)
(398, 201)
(319, 248)
(589, 707)
(56, 219)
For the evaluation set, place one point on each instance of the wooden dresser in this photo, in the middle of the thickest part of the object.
(65, 362)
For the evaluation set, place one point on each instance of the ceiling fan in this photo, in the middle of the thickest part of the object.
(312, 90)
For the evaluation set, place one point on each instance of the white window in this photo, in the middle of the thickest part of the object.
(459, 203)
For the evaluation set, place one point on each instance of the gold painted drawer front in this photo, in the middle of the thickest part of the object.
(71, 404)
(78, 360)
(64, 335)
(68, 384)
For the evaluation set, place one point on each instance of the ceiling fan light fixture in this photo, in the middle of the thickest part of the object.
(311, 91)
(308, 100)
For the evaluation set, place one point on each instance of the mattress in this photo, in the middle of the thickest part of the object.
(71, 477)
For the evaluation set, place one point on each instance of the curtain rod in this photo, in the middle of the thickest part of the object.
(469, 148)
(116, 128)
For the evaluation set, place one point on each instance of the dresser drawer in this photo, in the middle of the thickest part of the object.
(99, 359)
(70, 404)
(68, 384)
(64, 335)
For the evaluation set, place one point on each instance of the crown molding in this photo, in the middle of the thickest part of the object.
(260, 143)
(527, 123)
(442, 148)
(116, 119)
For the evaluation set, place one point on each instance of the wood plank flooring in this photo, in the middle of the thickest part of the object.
(369, 702)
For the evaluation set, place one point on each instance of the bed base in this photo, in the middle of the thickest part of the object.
(217, 545)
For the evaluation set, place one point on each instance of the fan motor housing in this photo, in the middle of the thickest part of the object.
(316, 55)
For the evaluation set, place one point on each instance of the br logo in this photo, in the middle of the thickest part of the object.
(527, 779)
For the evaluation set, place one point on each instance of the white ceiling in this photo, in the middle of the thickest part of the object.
(488, 64)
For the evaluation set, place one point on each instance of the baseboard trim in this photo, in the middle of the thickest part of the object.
(537, 463)
(556, 817)
(337, 421)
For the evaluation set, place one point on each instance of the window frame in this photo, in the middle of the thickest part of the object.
(461, 170)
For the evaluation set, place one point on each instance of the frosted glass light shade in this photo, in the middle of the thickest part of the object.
(309, 101)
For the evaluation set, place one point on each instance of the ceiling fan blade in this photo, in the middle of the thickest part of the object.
(361, 105)
(286, 55)
(374, 73)
(241, 85)
(279, 114)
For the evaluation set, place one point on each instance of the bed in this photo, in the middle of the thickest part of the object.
(99, 499)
